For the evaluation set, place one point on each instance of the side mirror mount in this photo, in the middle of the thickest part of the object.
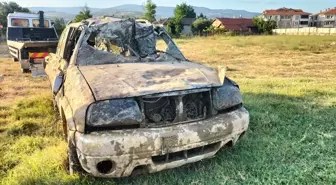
(58, 82)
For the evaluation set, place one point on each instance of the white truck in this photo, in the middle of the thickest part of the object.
(30, 38)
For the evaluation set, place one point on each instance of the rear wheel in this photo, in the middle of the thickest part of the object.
(25, 70)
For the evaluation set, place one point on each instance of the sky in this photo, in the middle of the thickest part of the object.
(312, 6)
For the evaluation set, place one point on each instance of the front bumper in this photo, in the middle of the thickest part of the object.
(155, 149)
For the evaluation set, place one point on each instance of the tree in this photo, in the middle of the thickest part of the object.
(59, 25)
(184, 11)
(259, 23)
(201, 16)
(269, 26)
(9, 7)
(84, 14)
(200, 25)
(150, 11)
(264, 26)
(174, 26)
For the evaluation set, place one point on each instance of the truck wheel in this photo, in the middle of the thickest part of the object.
(25, 70)
(15, 59)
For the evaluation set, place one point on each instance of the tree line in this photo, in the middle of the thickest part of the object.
(202, 23)
(174, 26)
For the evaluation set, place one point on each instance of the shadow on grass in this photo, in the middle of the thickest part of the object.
(290, 140)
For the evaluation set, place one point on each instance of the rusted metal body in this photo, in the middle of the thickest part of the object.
(139, 110)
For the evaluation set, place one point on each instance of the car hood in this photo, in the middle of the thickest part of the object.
(137, 79)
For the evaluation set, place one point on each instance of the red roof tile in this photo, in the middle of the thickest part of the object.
(285, 11)
(329, 12)
(236, 24)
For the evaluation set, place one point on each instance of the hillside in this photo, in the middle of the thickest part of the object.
(136, 11)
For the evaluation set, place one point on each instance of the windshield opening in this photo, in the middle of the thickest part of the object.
(127, 41)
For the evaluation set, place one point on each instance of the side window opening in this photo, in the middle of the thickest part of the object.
(74, 34)
(60, 47)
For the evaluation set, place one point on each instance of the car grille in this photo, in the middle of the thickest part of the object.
(169, 110)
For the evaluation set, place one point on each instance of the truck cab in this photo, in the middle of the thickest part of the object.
(30, 38)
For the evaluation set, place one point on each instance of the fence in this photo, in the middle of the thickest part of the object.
(305, 31)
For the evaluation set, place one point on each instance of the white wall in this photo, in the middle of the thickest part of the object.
(305, 31)
(186, 30)
(289, 21)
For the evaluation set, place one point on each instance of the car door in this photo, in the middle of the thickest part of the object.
(53, 60)
(64, 55)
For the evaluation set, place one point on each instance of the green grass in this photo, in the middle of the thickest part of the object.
(291, 138)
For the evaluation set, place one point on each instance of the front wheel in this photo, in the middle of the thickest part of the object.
(73, 162)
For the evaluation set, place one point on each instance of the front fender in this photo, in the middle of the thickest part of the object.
(78, 97)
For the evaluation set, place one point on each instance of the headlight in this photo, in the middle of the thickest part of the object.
(227, 96)
(109, 113)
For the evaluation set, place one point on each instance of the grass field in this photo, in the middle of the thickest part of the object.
(289, 87)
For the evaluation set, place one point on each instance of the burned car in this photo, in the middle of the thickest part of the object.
(129, 108)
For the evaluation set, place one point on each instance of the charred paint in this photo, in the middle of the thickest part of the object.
(96, 76)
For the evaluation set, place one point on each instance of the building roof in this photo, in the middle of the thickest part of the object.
(329, 11)
(187, 21)
(286, 11)
(236, 24)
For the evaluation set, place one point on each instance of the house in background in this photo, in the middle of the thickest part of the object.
(288, 17)
(326, 18)
(187, 24)
(235, 24)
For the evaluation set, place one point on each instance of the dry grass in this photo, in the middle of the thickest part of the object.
(288, 83)
(15, 85)
(266, 56)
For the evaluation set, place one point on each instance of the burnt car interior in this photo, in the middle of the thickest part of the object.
(127, 41)
(71, 42)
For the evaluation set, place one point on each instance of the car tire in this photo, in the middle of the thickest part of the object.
(73, 161)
